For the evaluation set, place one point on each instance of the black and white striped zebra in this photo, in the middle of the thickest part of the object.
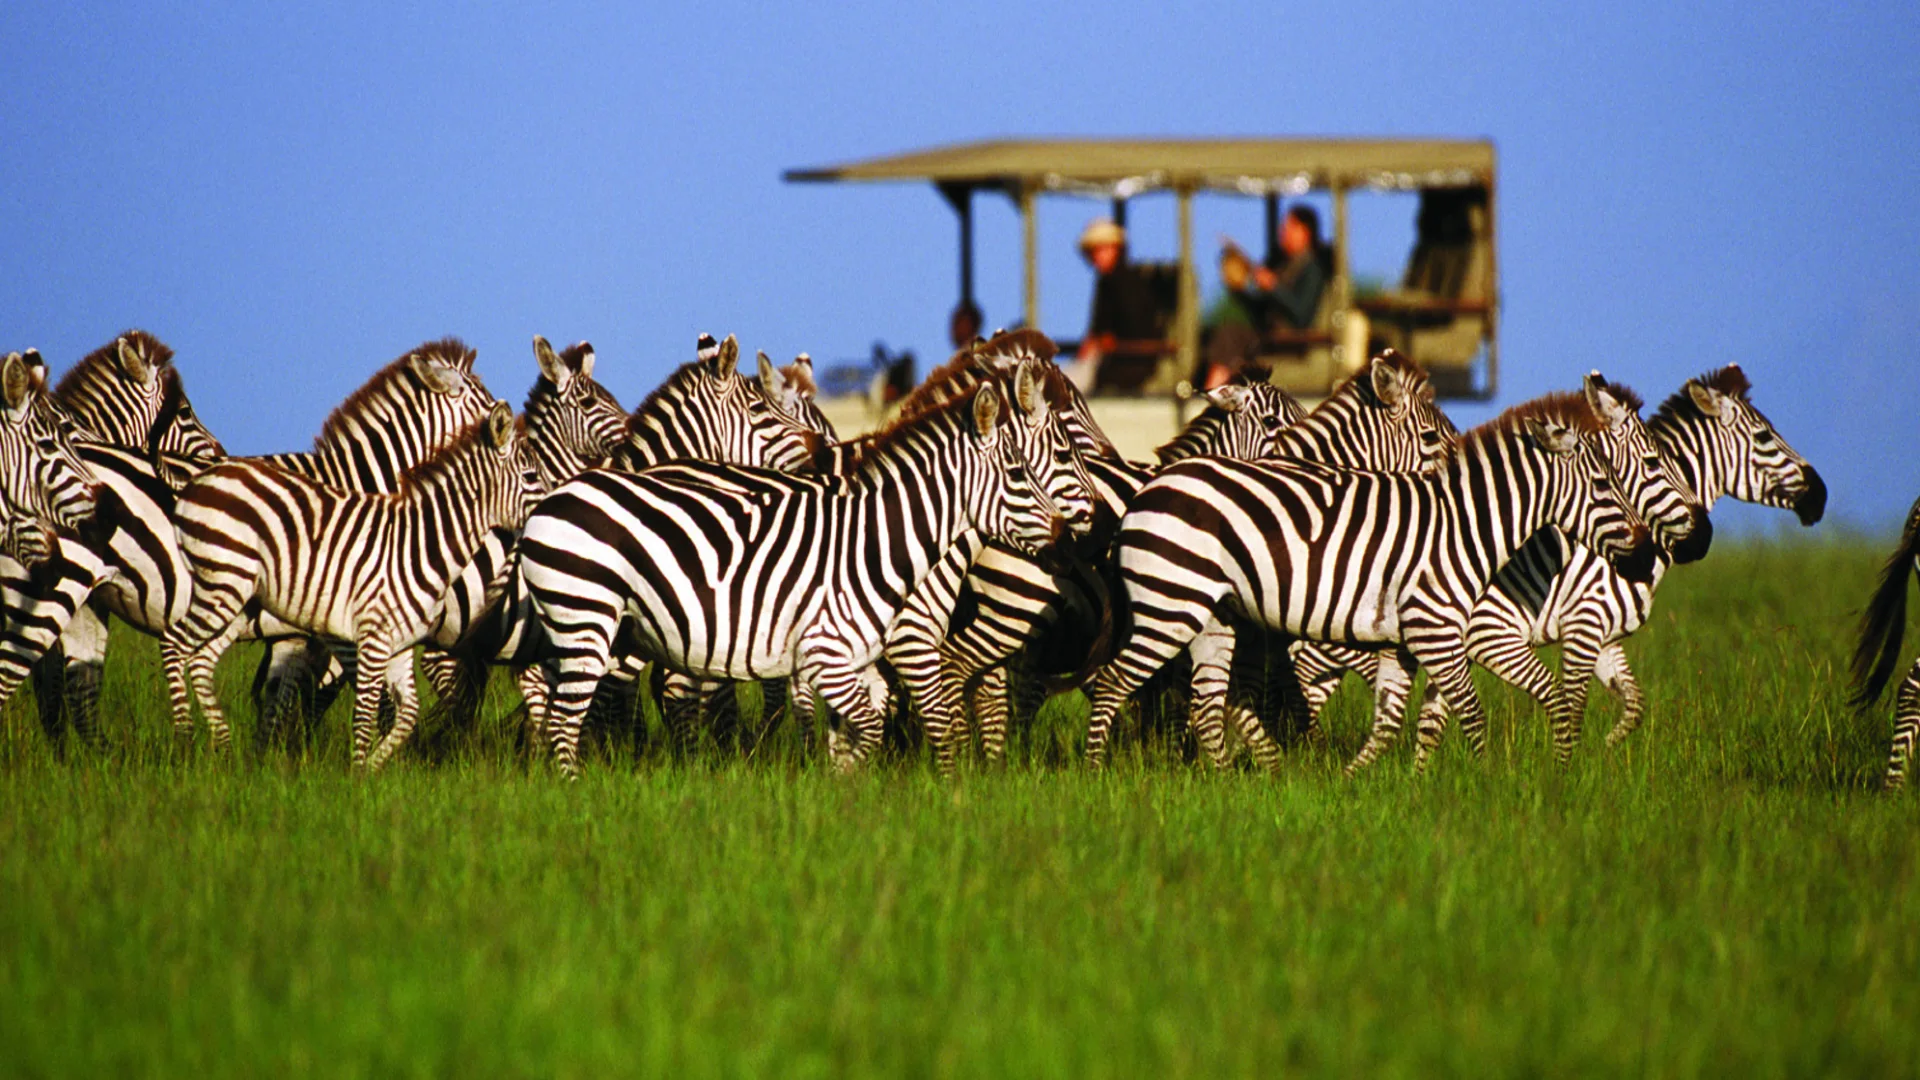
(1882, 627)
(140, 438)
(371, 569)
(1010, 600)
(1364, 558)
(723, 572)
(1556, 592)
(46, 488)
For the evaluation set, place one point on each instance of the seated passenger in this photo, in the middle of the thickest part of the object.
(1230, 330)
(1130, 304)
(1296, 274)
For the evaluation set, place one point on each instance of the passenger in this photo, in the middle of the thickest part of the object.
(964, 324)
(1231, 326)
(1130, 302)
(1296, 274)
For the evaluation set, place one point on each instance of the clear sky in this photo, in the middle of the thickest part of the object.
(291, 199)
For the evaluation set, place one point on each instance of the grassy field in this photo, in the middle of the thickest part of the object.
(1725, 894)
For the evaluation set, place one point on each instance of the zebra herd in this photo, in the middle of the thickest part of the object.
(987, 542)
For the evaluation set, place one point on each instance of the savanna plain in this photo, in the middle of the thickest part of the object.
(1726, 893)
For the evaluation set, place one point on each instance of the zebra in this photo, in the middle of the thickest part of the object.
(138, 434)
(365, 568)
(1367, 558)
(1554, 591)
(738, 573)
(704, 411)
(1882, 626)
(46, 487)
(1013, 600)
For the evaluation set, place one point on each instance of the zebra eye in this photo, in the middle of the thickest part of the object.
(1652, 462)
(46, 445)
(1763, 437)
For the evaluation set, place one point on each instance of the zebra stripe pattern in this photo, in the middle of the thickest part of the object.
(1882, 626)
(128, 393)
(1366, 558)
(46, 487)
(734, 573)
(365, 568)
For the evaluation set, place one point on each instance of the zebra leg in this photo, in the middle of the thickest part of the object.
(1577, 658)
(1212, 652)
(282, 687)
(990, 701)
(1393, 678)
(398, 679)
(199, 670)
(85, 644)
(1452, 675)
(1155, 635)
(574, 677)
(616, 703)
(374, 660)
(859, 696)
(1906, 728)
(1613, 672)
(1319, 667)
(532, 681)
(1504, 650)
(460, 682)
(50, 697)
(803, 704)
(682, 701)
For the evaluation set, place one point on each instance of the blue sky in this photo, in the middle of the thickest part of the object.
(292, 198)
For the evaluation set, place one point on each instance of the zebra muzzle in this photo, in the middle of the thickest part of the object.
(1694, 547)
(1811, 504)
(1637, 559)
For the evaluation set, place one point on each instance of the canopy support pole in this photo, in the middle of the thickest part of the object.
(1186, 319)
(1120, 211)
(1030, 253)
(1271, 255)
(960, 197)
(1342, 290)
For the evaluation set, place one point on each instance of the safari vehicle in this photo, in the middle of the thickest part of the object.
(1443, 311)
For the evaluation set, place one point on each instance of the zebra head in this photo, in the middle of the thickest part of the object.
(1726, 447)
(1412, 427)
(1047, 443)
(792, 390)
(572, 422)
(708, 411)
(1561, 434)
(1008, 349)
(1009, 482)
(45, 485)
(129, 394)
(1242, 420)
(485, 474)
(1659, 493)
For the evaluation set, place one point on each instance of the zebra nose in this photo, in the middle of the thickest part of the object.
(1811, 505)
(1635, 561)
(1694, 546)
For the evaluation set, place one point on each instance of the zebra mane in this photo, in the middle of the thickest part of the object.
(1001, 355)
(451, 351)
(672, 384)
(1625, 395)
(1570, 410)
(929, 414)
(1729, 380)
(108, 357)
(442, 460)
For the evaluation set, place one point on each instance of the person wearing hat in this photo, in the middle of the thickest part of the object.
(1130, 304)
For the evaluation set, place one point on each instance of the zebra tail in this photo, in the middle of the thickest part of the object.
(1883, 624)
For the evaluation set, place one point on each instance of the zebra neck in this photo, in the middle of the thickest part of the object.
(1690, 446)
(450, 516)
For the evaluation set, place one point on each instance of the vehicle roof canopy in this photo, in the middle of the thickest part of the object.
(1126, 167)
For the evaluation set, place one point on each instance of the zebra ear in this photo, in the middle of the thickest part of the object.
(552, 368)
(132, 364)
(586, 359)
(986, 411)
(1555, 439)
(771, 380)
(499, 429)
(1704, 398)
(1229, 398)
(16, 386)
(1388, 383)
(1027, 391)
(38, 366)
(725, 360)
(439, 377)
(1604, 404)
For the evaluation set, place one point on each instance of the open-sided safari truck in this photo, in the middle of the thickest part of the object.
(1443, 310)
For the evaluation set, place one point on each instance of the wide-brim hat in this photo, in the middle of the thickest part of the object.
(1100, 232)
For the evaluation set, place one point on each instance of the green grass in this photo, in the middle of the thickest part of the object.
(1725, 894)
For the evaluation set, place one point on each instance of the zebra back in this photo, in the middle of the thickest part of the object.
(1723, 445)
(1884, 623)
(707, 411)
(1242, 420)
(413, 406)
(47, 488)
(129, 393)
(1383, 417)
